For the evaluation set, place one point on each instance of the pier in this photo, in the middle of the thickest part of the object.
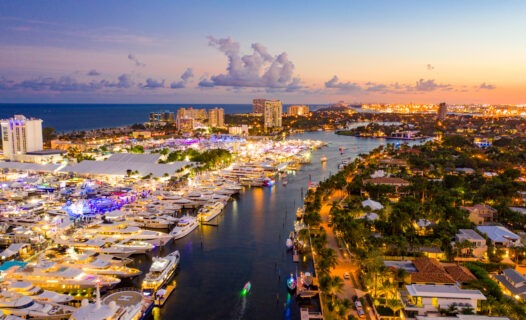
(161, 300)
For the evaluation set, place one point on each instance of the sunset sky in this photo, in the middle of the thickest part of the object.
(233, 51)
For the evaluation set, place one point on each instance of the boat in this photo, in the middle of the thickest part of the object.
(51, 276)
(285, 182)
(300, 212)
(121, 305)
(185, 225)
(209, 212)
(246, 289)
(323, 159)
(342, 150)
(289, 243)
(291, 283)
(161, 272)
(16, 304)
(26, 288)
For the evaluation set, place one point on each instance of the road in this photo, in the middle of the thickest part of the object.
(345, 263)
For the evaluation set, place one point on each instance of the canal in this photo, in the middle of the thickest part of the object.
(249, 245)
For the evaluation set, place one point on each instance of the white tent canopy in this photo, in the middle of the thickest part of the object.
(374, 205)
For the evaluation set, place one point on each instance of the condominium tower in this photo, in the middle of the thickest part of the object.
(21, 135)
(216, 117)
(272, 113)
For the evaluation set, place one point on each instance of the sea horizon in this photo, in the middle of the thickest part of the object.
(67, 117)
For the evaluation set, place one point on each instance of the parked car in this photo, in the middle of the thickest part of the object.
(346, 276)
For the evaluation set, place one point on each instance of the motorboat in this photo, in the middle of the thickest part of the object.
(26, 288)
(291, 283)
(323, 159)
(209, 212)
(299, 225)
(185, 225)
(161, 271)
(300, 212)
(289, 243)
(246, 288)
(16, 304)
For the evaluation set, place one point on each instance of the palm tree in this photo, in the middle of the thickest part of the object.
(342, 307)
(326, 260)
(335, 287)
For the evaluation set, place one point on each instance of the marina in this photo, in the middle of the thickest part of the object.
(98, 236)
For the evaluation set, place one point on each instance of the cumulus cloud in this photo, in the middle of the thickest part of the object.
(335, 83)
(257, 70)
(187, 75)
(429, 67)
(134, 59)
(487, 86)
(153, 84)
(429, 85)
(93, 73)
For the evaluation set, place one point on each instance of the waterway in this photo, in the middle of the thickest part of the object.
(249, 245)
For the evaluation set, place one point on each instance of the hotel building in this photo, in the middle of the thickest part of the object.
(21, 135)
(258, 106)
(298, 111)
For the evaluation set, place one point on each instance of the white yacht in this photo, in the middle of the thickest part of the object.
(50, 276)
(209, 212)
(121, 305)
(16, 304)
(99, 245)
(138, 247)
(161, 272)
(185, 225)
(26, 288)
(123, 230)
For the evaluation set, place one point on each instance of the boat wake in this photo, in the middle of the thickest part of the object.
(239, 309)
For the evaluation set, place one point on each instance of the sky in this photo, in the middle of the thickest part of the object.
(314, 52)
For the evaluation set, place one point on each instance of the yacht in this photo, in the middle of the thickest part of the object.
(300, 212)
(138, 247)
(121, 305)
(50, 276)
(323, 159)
(99, 245)
(26, 288)
(185, 225)
(161, 272)
(16, 304)
(123, 230)
(209, 212)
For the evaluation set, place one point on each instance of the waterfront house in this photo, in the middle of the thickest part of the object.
(500, 236)
(512, 283)
(420, 299)
(478, 243)
(480, 213)
(430, 271)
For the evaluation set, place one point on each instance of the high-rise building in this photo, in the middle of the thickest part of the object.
(298, 110)
(272, 113)
(216, 117)
(185, 124)
(442, 111)
(162, 116)
(197, 114)
(21, 135)
(258, 105)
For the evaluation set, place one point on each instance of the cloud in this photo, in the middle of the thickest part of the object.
(377, 88)
(187, 75)
(93, 73)
(429, 85)
(257, 70)
(65, 84)
(429, 67)
(135, 60)
(206, 83)
(487, 86)
(153, 84)
(334, 83)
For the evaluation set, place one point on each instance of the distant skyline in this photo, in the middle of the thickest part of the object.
(314, 52)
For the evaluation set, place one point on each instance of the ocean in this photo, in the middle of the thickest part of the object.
(71, 117)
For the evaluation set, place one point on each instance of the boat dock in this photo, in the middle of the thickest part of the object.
(159, 302)
(305, 314)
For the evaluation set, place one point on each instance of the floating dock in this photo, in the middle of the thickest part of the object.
(159, 302)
